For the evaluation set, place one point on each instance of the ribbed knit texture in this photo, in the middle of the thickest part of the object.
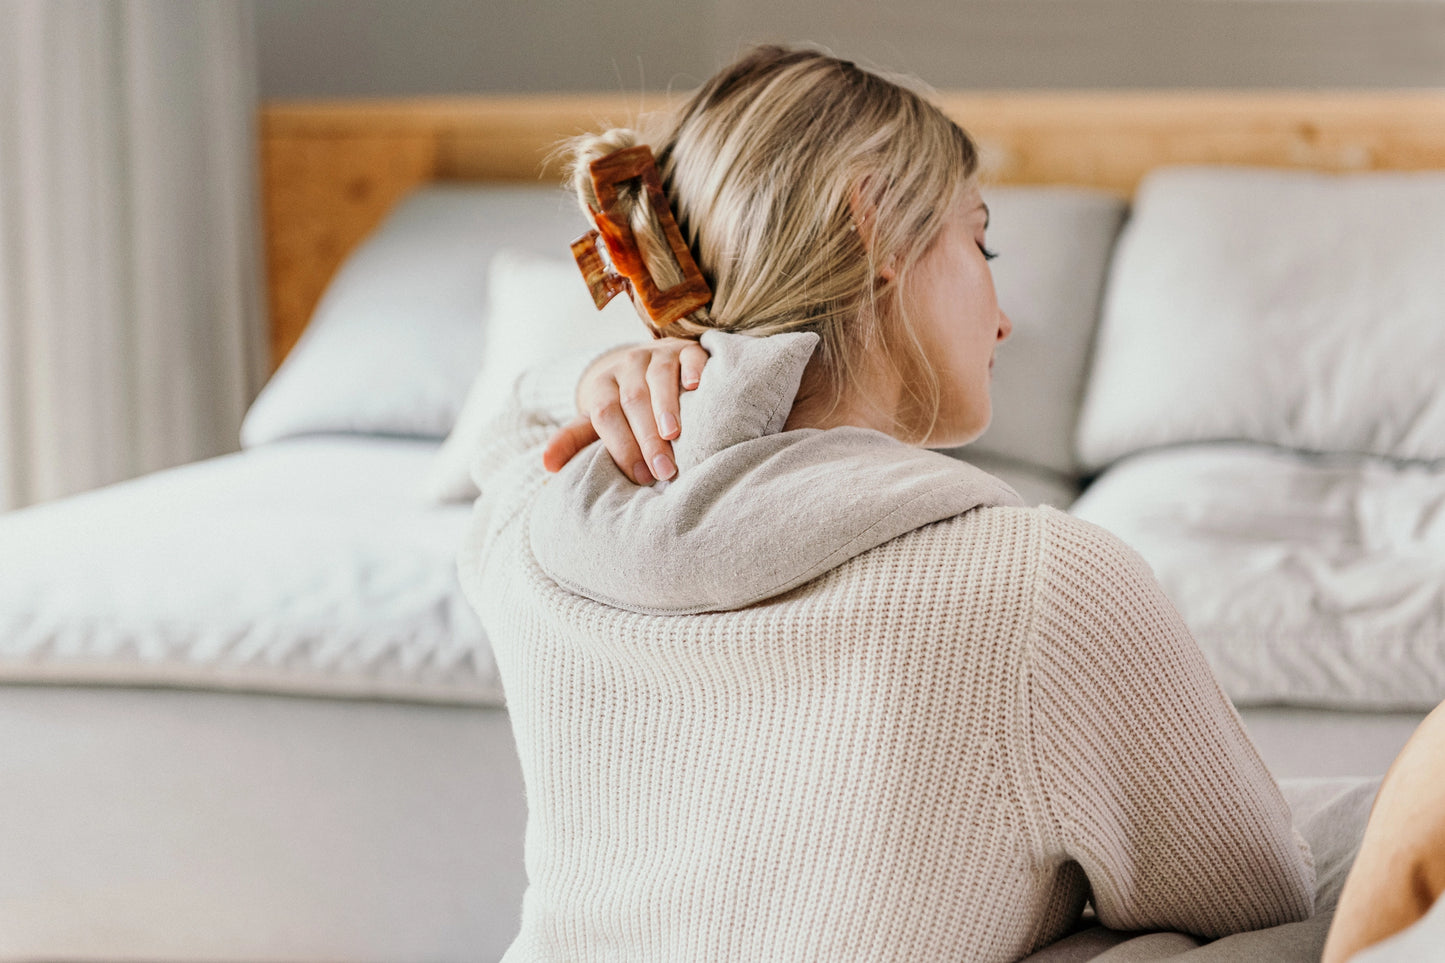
(932, 752)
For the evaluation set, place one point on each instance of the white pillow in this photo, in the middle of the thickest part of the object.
(1296, 309)
(395, 340)
(540, 309)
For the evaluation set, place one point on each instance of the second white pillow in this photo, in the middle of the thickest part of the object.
(539, 309)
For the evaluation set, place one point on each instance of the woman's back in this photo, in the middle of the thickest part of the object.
(931, 743)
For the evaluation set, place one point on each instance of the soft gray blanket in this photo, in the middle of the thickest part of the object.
(1331, 815)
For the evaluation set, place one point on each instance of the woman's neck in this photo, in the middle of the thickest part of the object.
(869, 403)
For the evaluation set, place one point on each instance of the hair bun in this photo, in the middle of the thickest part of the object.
(584, 150)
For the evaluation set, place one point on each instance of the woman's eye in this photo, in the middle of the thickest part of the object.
(987, 254)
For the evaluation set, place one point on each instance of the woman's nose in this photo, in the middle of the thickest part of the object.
(1005, 326)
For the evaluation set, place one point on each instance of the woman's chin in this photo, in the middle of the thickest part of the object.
(963, 418)
(955, 436)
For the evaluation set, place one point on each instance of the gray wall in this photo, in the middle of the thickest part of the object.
(396, 47)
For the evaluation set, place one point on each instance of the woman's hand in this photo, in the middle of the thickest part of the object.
(629, 399)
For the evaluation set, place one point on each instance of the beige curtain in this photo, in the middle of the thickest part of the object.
(131, 333)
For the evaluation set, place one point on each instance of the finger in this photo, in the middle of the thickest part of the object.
(601, 398)
(612, 426)
(635, 395)
(663, 373)
(570, 439)
(692, 360)
(637, 406)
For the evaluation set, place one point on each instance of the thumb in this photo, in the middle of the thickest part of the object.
(567, 442)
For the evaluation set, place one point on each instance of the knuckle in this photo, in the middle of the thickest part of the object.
(605, 409)
(631, 395)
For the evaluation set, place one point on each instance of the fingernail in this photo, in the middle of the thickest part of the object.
(662, 467)
(669, 425)
(640, 472)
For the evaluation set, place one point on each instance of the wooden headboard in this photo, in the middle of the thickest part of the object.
(332, 169)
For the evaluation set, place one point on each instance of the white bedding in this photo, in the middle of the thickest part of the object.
(1306, 580)
(311, 566)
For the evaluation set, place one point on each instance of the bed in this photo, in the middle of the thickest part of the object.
(245, 713)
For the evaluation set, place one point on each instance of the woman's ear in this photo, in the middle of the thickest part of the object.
(863, 206)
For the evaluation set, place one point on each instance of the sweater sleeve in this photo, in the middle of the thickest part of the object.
(506, 463)
(538, 402)
(1151, 784)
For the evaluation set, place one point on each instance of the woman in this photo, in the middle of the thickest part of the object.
(827, 694)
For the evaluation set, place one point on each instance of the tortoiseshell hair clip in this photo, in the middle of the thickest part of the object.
(608, 256)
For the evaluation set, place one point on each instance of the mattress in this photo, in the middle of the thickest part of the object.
(311, 566)
(175, 790)
(271, 828)
(177, 826)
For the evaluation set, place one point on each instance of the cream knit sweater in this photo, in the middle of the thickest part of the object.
(937, 749)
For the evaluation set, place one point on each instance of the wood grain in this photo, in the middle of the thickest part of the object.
(1111, 141)
(323, 193)
(332, 169)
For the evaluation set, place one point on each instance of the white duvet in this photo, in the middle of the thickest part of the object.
(310, 565)
(1306, 580)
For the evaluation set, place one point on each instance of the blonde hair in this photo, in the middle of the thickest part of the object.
(763, 168)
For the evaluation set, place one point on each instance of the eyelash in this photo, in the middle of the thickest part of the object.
(987, 254)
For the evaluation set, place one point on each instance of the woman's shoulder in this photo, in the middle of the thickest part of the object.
(1088, 551)
(1098, 597)
(1056, 536)
(1063, 553)
(1085, 589)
